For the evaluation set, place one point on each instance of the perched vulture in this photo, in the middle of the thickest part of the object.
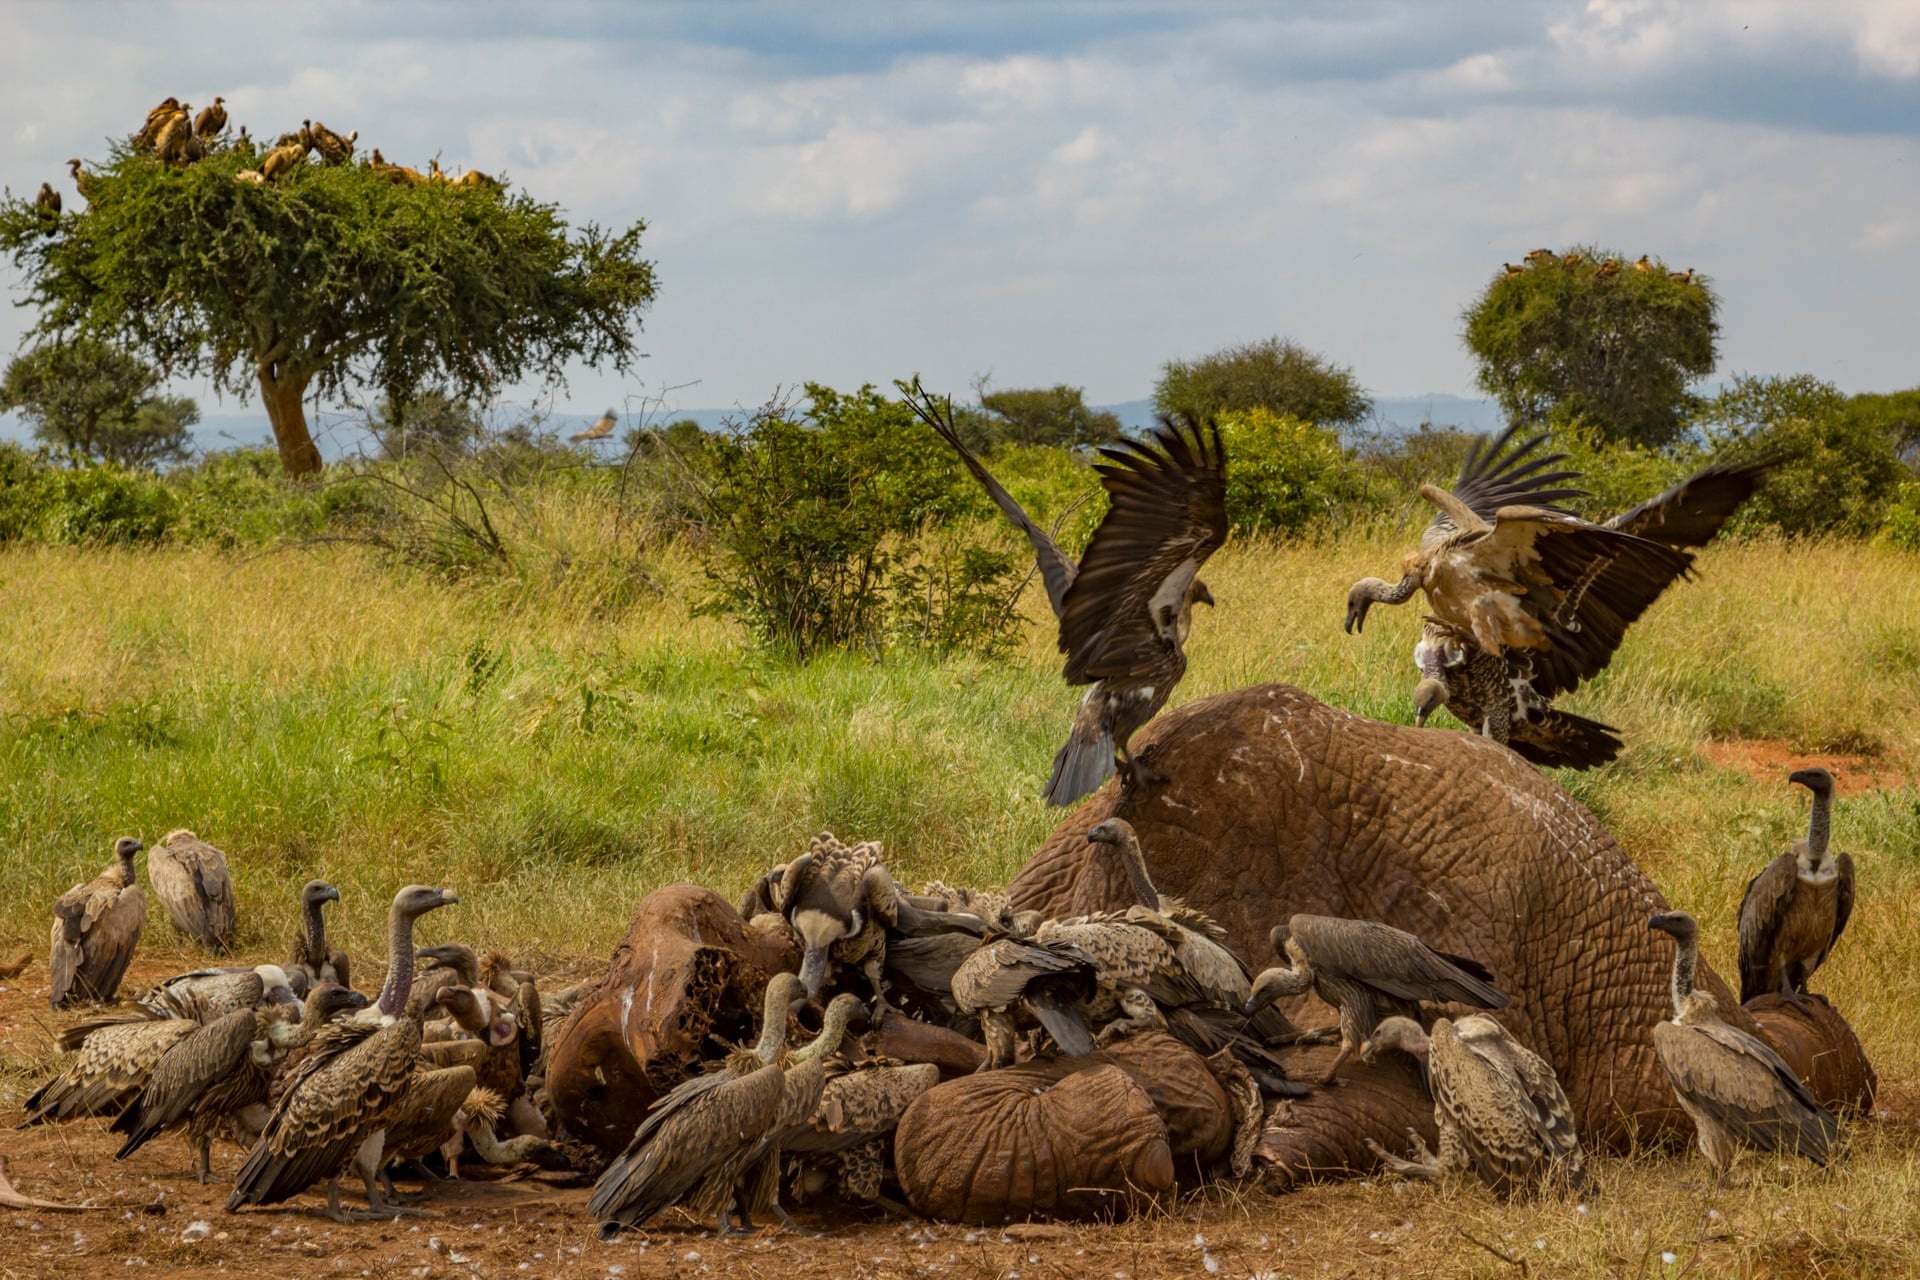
(1125, 609)
(333, 148)
(1796, 909)
(697, 1138)
(47, 203)
(310, 958)
(189, 877)
(95, 929)
(85, 183)
(1499, 1107)
(1681, 277)
(840, 901)
(205, 994)
(1368, 970)
(282, 160)
(1528, 594)
(599, 430)
(1739, 1092)
(155, 121)
(492, 1048)
(334, 1110)
(1539, 255)
(801, 1091)
(170, 143)
(208, 124)
(1643, 263)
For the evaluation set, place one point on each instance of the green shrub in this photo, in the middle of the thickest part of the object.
(106, 506)
(1286, 475)
(241, 497)
(25, 492)
(1618, 474)
(1901, 527)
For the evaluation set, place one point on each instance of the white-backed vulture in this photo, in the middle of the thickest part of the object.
(110, 1066)
(493, 1046)
(1538, 256)
(450, 964)
(1795, 910)
(150, 129)
(282, 160)
(696, 1139)
(83, 182)
(170, 143)
(1367, 971)
(1739, 1092)
(333, 148)
(190, 878)
(840, 900)
(1125, 609)
(205, 994)
(1053, 981)
(95, 929)
(221, 1069)
(847, 1134)
(599, 430)
(1508, 696)
(1681, 277)
(800, 1091)
(310, 958)
(47, 205)
(1499, 1107)
(422, 1120)
(334, 1110)
(211, 120)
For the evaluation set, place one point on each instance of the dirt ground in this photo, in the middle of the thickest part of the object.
(149, 1212)
(1772, 759)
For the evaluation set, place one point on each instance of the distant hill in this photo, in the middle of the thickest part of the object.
(1393, 413)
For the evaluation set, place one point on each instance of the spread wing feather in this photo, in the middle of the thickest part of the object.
(1692, 513)
(1491, 477)
(1167, 514)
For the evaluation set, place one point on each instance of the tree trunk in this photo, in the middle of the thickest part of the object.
(285, 398)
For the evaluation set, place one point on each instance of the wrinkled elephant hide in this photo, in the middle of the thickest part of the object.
(1820, 1047)
(689, 967)
(1010, 1144)
(1323, 1135)
(1274, 802)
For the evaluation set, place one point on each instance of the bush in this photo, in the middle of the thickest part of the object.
(25, 492)
(1277, 375)
(1839, 467)
(241, 497)
(1618, 475)
(106, 506)
(1285, 475)
(1057, 416)
(1901, 527)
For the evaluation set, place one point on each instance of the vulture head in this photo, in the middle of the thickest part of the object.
(452, 955)
(124, 848)
(317, 892)
(1113, 831)
(1678, 925)
(825, 904)
(73, 167)
(473, 1009)
(1403, 1034)
(416, 900)
(1428, 697)
(1816, 780)
(275, 986)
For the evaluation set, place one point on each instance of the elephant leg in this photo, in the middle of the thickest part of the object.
(1325, 1134)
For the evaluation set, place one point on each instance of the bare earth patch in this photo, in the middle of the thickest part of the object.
(1772, 759)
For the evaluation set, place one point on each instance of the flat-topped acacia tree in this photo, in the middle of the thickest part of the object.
(328, 278)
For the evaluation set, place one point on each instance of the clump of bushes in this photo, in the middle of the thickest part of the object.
(1286, 475)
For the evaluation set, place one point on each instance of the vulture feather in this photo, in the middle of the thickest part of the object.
(95, 929)
(1795, 910)
(190, 878)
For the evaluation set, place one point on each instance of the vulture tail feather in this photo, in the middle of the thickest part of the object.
(1080, 767)
(1063, 1019)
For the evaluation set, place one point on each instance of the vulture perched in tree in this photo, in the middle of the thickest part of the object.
(1527, 594)
(1795, 910)
(1739, 1092)
(311, 959)
(1368, 971)
(189, 877)
(83, 182)
(1499, 1107)
(48, 205)
(156, 119)
(208, 124)
(282, 160)
(333, 148)
(1125, 609)
(599, 430)
(95, 929)
(351, 1083)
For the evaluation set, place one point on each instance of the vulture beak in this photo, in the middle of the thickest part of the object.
(1264, 994)
(1200, 594)
(1356, 616)
(1367, 1051)
(813, 971)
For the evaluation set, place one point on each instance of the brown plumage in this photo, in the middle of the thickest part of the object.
(190, 878)
(205, 994)
(423, 1118)
(599, 430)
(494, 1049)
(170, 143)
(485, 182)
(1368, 971)
(1499, 1107)
(14, 967)
(1739, 1092)
(1682, 277)
(1538, 255)
(335, 1108)
(1513, 268)
(1643, 264)
(47, 204)
(333, 148)
(150, 129)
(95, 929)
(848, 1132)
(1796, 909)
(282, 160)
(840, 900)
(310, 958)
(800, 1093)
(85, 183)
(451, 964)
(1572, 260)
(211, 120)
(699, 1135)
(1052, 981)
(1608, 269)
(110, 1067)
(1509, 697)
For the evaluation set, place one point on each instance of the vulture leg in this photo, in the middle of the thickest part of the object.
(1332, 1077)
(368, 1164)
(730, 1232)
(203, 1147)
(873, 968)
(1423, 1164)
(996, 1028)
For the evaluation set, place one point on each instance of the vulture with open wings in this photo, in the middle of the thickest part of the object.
(1125, 609)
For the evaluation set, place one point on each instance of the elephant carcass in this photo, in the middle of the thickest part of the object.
(689, 967)
(1274, 802)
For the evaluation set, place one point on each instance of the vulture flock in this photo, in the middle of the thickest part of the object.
(899, 1012)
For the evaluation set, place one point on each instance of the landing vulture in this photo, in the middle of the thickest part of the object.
(190, 878)
(95, 929)
(1795, 910)
(1125, 609)
(600, 430)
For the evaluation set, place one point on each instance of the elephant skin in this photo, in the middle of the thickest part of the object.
(689, 967)
(1273, 803)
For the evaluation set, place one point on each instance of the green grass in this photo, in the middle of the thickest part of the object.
(554, 757)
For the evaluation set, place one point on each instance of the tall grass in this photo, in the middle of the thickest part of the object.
(555, 748)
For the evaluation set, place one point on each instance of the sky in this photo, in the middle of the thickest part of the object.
(1040, 193)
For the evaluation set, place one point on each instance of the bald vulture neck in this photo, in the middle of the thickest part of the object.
(1137, 878)
(1381, 591)
(316, 934)
(1819, 828)
(774, 1034)
(393, 996)
(127, 873)
(832, 1031)
(1686, 959)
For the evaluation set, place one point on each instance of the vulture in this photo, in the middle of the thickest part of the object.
(857, 1113)
(451, 964)
(1571, 260)
(599, 430)
(1499, 1106)
(1796, 909)
(1539, 255)
(222, 1068)
(1138, 1013)
(310, 958)
(189, 877)
(206, 994)
(334, 1110)
(1367, 971)
(48, 205)
(208, 124)
(1125, 609)
(801, 1090)
(95, 929)
(110, 1068)
(697, 1138)
(426, 1118)
(83, 182)
(333, 148)
(170, 142)
(493, 1051)
(1514, 580)
(1739, 1092)
(1609, 268)
(1513, 268)
(282, 160)
(1643, 264)
(1054, 981)
(1682, 277)
(150, 130)
(840, 901)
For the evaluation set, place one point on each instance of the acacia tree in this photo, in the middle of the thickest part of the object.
(332, 277)
(1277, 374)
(1582, 335)
(99, 403)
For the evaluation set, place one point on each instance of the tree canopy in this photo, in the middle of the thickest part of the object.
(327, 277)
(1277, 374)
(97, 403)
(1582, 336)
(1056, 416)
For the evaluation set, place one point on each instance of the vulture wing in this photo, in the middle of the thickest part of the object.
(1542, 1102)
(189, 1070)
(111, 1067)
(1745, 1086)
(113, 931)
(930, 963)
(996, 975)
(1843, 909)
(1762, 910)
(1168, 513)
(190, 878)
(1562, 740)
(856, 1106)
(1692, 513)
(1492, 477)
(1395, 962)
(1056, 567)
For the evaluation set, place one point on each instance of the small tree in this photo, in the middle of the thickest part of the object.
(1056, 416)
(1278, 375)
(1583, 336)
(430, 418)
(330, 277)
(99, 404)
